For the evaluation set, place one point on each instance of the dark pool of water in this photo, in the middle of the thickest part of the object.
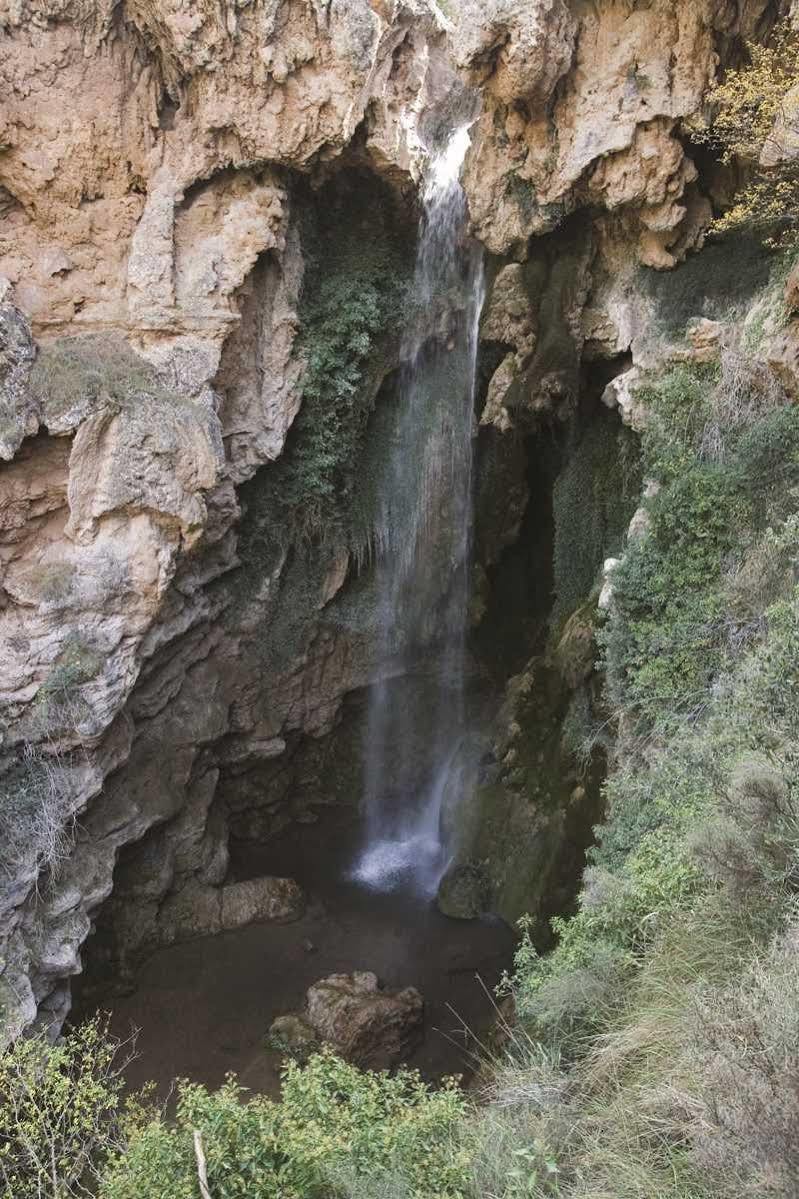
(203, 1008)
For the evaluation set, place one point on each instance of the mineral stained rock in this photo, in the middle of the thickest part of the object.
(366, 1025)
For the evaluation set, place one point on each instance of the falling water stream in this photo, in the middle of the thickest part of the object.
(424, 543)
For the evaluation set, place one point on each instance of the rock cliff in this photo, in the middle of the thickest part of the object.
(177, 182)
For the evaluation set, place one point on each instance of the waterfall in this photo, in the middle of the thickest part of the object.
(423, 549)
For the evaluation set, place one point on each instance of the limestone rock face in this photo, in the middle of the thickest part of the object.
(604, 133)
(18, 417)
(366, 1025)
(517, 52)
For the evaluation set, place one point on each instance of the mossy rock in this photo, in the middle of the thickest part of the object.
(463, 892)
(292, 1036)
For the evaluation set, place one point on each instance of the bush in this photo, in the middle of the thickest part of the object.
(747, 1038)
(336, 1130)
(59, 1112)
(756, 123)
(724, 446)
(753, 840)
(357, 266)
(35, 832)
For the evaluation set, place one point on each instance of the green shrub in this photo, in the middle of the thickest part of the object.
(59, 1112)
(747, 1041)
(726, 454)
(336, 1128)
(357, 267)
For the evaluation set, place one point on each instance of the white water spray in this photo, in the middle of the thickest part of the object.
(424, 543)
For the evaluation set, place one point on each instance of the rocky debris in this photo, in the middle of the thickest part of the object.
(463, 892)
(368, 1026)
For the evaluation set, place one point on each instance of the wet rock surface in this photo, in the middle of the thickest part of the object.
(463, 892)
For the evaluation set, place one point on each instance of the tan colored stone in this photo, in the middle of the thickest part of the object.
(373, 1028)
(261, 899)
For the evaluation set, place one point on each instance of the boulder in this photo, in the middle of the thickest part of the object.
(606, 594)
(463, 892)
(259, 899)
(366, 1025)
(198, 910)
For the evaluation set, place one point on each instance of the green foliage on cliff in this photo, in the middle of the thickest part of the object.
(666, 1015)
(756, 124)
(343, 322)
(358, 259)
(724, 451)
(92, 370)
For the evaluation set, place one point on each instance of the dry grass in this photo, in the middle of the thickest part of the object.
(36, 829)
(747, 389)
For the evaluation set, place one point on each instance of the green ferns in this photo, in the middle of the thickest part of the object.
(314, 484)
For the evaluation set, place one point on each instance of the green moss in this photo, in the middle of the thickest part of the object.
(723, 278)
(594, 498)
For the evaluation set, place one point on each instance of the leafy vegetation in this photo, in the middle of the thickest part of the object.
(724, 451)
(756, 123)
(655, 1053)
(60, 1108)
(358, 263)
